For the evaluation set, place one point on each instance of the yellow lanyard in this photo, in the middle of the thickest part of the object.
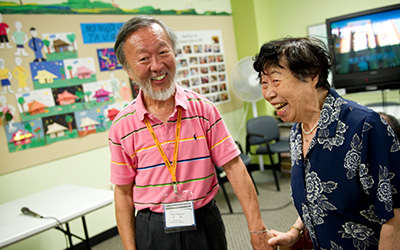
(171, 169)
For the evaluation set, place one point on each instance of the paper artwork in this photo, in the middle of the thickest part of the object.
(26, 135)
(60, 45)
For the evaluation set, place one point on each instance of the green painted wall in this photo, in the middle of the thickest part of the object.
(244, 23)
(292, 17)
(259, 21)
(273, 19)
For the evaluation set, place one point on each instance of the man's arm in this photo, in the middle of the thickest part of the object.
(244, 189)
(390, 232)
(125, 215)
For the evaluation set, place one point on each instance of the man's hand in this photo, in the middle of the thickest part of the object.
(287, 239)
(260, 240)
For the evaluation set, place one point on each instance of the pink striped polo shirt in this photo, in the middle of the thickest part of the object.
(204, 141)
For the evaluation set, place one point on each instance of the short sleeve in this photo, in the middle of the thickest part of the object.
(122, 165)
(222, 146)
(380, 166)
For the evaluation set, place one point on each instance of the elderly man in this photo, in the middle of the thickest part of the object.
(164, 146)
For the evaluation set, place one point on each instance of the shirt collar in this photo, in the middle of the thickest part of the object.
(330, 115)
(180, 101)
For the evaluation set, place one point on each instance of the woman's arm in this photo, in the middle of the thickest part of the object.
(390, 233)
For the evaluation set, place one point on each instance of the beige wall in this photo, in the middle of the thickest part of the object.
(84, 161)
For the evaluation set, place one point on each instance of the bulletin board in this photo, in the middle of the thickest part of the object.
(65, 25)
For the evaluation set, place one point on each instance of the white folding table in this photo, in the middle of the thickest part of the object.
(64, 202)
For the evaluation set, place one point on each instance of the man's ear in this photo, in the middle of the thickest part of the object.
(129, 72)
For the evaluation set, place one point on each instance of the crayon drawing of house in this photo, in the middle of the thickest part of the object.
(102, 95)
(21, 137)
(83, 72)
(56, 130)
(44, 76)
(66, 98)
(35, 108)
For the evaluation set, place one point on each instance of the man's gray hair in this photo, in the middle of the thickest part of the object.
(135, 24)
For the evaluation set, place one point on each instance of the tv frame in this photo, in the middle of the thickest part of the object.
(387, 78)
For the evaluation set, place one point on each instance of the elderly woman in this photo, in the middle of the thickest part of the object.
(345, 159)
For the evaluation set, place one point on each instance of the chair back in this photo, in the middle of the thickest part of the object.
(266, 126)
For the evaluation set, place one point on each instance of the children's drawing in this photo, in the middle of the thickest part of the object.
(108, 60)
(4, 29)
(20, 74)
(80, 68)
(49, 73)
(99, 92)
(60, 45)
(35, 104)
(25, 135)
(66, 98)
(90, 121)
(110, 111)
(36, 108)
(20, 38)
(69, 99)
(21, 137)
(60, 127)
(5, 77)
(102, 95)
(36, 44)
(56, 130)
(8, 112)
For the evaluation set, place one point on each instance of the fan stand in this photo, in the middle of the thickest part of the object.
(245, 78)
(260, 157)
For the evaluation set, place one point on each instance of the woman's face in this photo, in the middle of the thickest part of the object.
(291, 98)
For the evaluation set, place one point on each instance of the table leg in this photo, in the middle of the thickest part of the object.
(71, 245)
(87, 240)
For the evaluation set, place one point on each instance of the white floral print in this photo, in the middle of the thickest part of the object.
(371, 215)
(361, 235)
(385, 189)
(396, 144)
(338, 161)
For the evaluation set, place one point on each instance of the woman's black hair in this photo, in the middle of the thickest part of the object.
(304, 57)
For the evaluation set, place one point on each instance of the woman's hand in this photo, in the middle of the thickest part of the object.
(287, 239)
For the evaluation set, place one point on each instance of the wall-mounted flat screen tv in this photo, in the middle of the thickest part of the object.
(366, 49)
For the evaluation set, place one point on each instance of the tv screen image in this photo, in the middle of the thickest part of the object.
(366, 49)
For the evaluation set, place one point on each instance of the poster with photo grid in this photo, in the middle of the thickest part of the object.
(201, 64)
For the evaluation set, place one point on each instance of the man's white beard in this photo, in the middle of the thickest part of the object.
(157, 95)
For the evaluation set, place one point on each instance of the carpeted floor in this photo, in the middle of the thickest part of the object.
(276, 209)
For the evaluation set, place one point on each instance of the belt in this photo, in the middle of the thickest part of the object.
(200, 211)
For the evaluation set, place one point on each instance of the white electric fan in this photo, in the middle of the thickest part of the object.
(246, 86)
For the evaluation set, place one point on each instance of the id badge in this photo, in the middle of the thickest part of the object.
(179, 216)
(179, 213)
